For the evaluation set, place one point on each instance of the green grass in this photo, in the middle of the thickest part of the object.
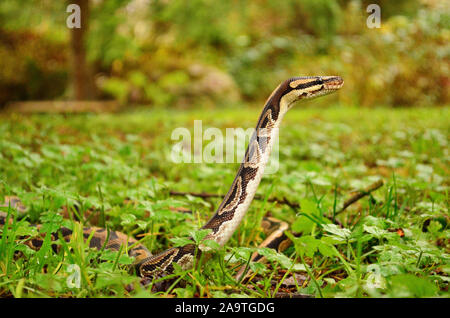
(116, 169)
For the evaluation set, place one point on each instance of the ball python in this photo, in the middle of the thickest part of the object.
(237, 200)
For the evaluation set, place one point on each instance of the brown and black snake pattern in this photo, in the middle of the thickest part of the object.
(237, 200)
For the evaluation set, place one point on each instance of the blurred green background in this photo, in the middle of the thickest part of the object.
(178, 53)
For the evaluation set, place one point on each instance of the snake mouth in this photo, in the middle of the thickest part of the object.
(308, 87)
(332, 83)
(322, 85)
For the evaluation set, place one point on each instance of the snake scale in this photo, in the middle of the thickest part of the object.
(236, 202)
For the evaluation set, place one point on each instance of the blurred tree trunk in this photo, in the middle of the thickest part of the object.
(81, 76)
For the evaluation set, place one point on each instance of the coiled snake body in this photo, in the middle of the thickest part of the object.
(237, 200)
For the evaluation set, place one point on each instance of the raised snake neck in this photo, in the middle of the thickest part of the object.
(238, 198)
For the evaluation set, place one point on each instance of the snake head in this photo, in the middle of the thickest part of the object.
(300, 88)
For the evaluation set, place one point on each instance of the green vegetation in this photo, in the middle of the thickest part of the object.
(115, 168)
